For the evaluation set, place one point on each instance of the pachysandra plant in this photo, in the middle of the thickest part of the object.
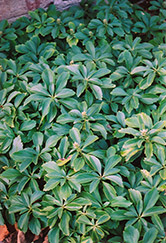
(147, 137)
(83, 123)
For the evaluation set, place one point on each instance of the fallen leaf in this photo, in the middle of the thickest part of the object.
(11, 238)
(46, 239)
(20, 237)
(3, 232)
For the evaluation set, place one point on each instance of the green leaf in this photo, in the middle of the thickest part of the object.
(40, 90)
(70, 103)
(28, 125)
(163, 174)
(48, 77)
(150, 236)
(109, 191)
(120, 202)
(99, 128)
(87, 240)
(146, 82)
(34, 97)
(62, 81)
(23, 222)
(80, 89)
(1, 219)
(119, 215)
(79, 164)
(158, 140)
(79, 57)
(38, 138)
(25, 164)
(90, 48)
(17, 145)
(36, 196)
(84, 220)
(131, 234)
(46, 104)
(25, 154)
(75, 135)
(135, 195)
(51, 166)
(93, 185)
(154, 210)
(132, 122)
(116, 179)
(162, 107)
(104, 218)
(101, 72)
(64, 223)
(128, 59)
(35, 226)
(148, 150)
(64, 118)
(151, 197)
(97, 91)
(52, 141)
(95, 162)
(144, 120)
(119, 92)
(22, 183)
(129, 130)
(82, 201)
(116, 76)
(64, 93)
(111, 163)
(11, 174)
(73, 206)
(121, 118)
(19, 207)
(51, 184)
(66, 191)
(158, 223)
(12, 95)
(138, 69)
(90, 139)
(149, 99)
(63, 146)
(53, 235)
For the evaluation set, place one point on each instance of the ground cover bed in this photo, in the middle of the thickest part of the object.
(83, 124)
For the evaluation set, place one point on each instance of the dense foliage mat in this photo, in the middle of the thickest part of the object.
(83, 123)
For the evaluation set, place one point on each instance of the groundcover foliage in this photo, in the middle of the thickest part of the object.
(83, 123)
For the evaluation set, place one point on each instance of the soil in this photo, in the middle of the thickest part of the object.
(16, 236)
(145, 4)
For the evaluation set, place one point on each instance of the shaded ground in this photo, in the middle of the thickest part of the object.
(145, 4)
(13, 235)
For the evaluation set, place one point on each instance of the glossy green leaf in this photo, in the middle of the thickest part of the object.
(64, 223)
(151, 197)
(120, 202)
(35, 226)
(119, 215)
(28, 125)
(23, 222)
(75, 135)
(95, 162)
(150, 235)
(131, 234)
(53, 235)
